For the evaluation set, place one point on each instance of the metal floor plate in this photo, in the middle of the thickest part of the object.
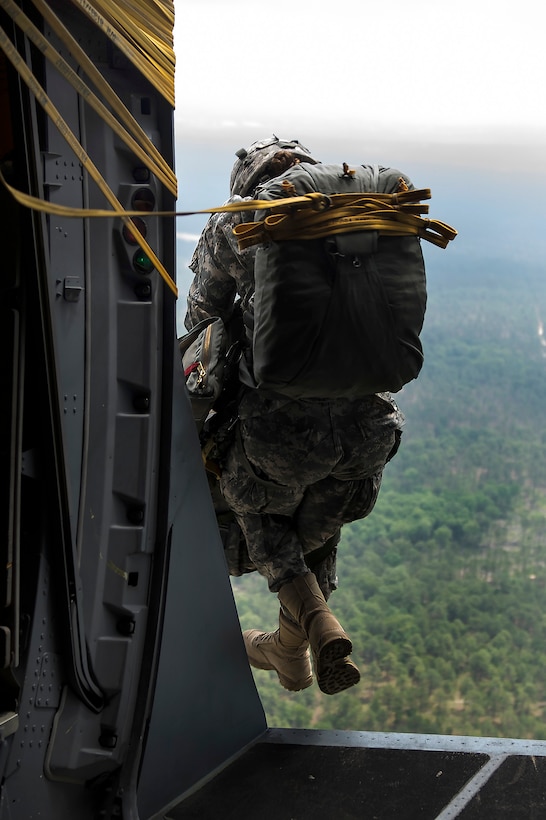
(299, 775)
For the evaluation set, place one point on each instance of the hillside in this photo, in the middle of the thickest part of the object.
(442, 589)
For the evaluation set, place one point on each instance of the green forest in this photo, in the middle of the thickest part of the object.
(443, 588)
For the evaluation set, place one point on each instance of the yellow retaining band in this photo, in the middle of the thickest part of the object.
(346, 213)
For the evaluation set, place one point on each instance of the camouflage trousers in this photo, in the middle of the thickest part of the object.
(298, 470)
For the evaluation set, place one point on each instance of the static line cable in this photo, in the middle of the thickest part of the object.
(311, 216)
(94, 75)
(30, 80)
(84, 91)
(156, 62)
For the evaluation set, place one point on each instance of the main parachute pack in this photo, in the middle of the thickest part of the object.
(340, 286)
(340, 289)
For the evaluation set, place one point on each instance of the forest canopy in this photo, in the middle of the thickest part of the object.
(442, 588)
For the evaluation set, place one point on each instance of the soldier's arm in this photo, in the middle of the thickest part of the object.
(222, 271)
(214, 288)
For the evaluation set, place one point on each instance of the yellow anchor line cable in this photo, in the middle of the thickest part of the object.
(42, 98)
(26, 75)
(299, 217)
(142, 30)
(138, 142)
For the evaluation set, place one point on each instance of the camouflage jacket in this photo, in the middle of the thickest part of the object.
(221, 271)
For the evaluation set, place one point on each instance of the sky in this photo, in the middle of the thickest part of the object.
(422, 70)
(451, 93)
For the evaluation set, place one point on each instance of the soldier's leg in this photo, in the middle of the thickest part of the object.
(305, 618)
(273, 547)
(276, 551)
(331, 503)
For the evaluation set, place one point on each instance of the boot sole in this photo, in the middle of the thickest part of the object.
(338, 677)
(334, 671)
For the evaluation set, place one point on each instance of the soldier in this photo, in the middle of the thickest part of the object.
(297, 470)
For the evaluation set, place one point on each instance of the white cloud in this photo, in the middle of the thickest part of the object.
(187, 237)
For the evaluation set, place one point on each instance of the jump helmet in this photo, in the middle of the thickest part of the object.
(251, 166)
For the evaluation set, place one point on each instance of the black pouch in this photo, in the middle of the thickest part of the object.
(203, 352)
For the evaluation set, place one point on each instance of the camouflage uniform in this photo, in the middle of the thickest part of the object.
(221, 271)
(298, 469)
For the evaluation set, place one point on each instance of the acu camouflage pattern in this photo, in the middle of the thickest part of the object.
(322, 561)
(297, 470)
(221, 271)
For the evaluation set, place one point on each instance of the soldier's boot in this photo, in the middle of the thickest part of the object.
(286, 651)
(330, 644)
